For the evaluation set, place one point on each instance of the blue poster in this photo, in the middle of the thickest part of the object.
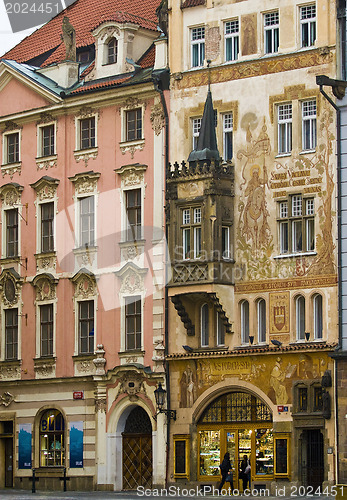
(24, 446)
(76, 444)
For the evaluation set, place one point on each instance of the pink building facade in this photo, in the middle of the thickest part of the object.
(82, 255)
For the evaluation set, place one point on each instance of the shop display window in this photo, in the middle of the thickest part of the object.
(52, 439)
(181, 455)
(245, 444)
(209, 453)
(264, 447)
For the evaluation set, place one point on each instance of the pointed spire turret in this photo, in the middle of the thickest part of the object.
(207, 142)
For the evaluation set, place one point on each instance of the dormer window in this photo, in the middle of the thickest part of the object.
(112, 51)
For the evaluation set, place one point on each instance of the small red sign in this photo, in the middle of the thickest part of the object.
(280, 408)
(78, 395)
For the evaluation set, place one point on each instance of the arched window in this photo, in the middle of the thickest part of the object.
(220, 330)
(261, 317)
(52, 442)
(112, 51)
(300, 317)
(244, 322)
(317, 316)
(204, 326)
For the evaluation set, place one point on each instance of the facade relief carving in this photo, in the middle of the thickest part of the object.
(45, 287)
(85, 285)
(10, 288)
(132, 384)
(157, 118)
(6, 399)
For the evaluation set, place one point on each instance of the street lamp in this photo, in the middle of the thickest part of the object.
(160, 395)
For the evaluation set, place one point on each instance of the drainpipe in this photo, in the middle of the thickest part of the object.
(161, 81)
(338, 88)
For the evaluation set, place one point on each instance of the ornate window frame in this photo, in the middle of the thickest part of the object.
(10, 195)
(10, 296)
(85, 290)
(11, 168)
(46, 161)
(86, 184)
(46, 192)
(138, 144)
(132, 280)
(88, 153)
(45, 293)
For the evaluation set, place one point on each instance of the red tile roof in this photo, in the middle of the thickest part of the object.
(92, 85)
(84, 15)
(147, 60)
(192, 3)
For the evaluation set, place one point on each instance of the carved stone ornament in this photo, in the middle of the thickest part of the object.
(45, 262)
(132, 175)
(45, 117)
(6, 399)
(45, 188)
(100, 405)
(10, 126)
(86, 183)
(85, 112)
(11, 194)
(11, 169)
(10, 286)
(100, 360)
(131, 283)
(132, 147)
(132, 102)
(132, 384)
(86, 156)
(84, 366)
(45, 287)
(45, 369)
(85, 285)
(10, 372)
(157, 118)
(46, 163)
(109, 32)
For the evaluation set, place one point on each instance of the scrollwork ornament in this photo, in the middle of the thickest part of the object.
(157, 119)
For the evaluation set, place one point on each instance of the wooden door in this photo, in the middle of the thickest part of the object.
(8, 463)
(137, 461)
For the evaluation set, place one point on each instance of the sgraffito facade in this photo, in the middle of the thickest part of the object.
(252, 241)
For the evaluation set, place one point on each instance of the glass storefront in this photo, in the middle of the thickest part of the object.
(52, 439)
(241, 424)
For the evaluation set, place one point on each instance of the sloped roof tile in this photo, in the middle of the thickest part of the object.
(84, 15)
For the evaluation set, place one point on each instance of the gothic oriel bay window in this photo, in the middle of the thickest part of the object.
(52, 441)
(296, 225)
(191, 232)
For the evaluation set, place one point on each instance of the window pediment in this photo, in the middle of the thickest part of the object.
(10, 287)
(45, 286)
(10, 194)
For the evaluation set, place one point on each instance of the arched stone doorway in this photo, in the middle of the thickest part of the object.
(239, 423)
(137, 450)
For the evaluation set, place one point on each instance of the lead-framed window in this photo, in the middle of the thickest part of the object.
(191, 219)
(307, 25)
(309, 125)
(197, 41)
(284, 121)
(232, 40)
(227, 136)
(271, 32)
(296, 222)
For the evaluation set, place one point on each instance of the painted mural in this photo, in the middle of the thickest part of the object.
(273, 375)
(264, 178)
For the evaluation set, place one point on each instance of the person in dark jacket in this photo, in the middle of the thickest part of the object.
(225, 469)
(245, 473)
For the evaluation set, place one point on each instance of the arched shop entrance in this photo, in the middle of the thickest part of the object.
(240, 423)
(137, 450)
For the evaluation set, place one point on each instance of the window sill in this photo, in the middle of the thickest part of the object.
(283, 155)
(10, 260)
(129, 243)
(212, 349)
(298, 254)
(307, 151)
(83, 356)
